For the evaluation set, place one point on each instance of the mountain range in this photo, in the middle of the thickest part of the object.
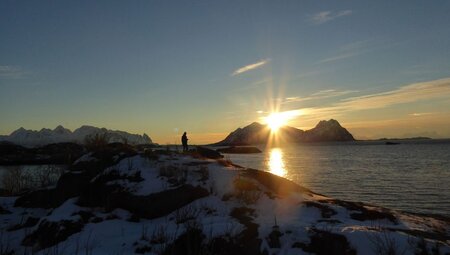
(32, 138)
(256, 133)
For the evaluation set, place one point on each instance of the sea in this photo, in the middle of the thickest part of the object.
(413, 175)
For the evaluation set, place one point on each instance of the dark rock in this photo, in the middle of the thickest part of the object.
(300, 245)
(372, 215)
(363, 213)
(143, 249)
(134, 218)
(274, 183)
(330, 221)
(239, 150)
(208, 153)
(105, 157)
(274, 238)
(44, 198)
(197, 163)
(325, 211)
(4, 193)
(391, 143)
(84, 215)
(30, 222)
(68, 186)
(76, 182)
(97, 220)
(71, 185)
(325, 243)
(4, 211)
(50, 233)
(188, 243)
(248, 241)
(157, 204)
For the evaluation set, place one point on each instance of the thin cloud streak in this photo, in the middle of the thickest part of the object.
(326, 16)
(350, 50)
(250, 67)
(319, 95)
(338, 57)
(418, 114)
(12, 72)
(406, 94)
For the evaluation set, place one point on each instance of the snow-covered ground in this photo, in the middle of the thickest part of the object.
(230, 209)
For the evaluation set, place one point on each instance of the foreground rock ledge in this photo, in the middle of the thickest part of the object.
(167, 203)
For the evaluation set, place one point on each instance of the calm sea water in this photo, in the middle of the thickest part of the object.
(412, 176)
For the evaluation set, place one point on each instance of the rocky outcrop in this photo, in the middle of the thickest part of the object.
(77, 180)
(208, 153)
(239, 150)
(255, 133)
(50, 233)
(158, 204)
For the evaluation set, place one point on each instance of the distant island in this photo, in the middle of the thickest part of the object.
(408, 138)
(256, 133)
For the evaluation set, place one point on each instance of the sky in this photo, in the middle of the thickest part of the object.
(381, 68)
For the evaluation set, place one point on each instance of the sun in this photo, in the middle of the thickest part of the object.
(276, 120)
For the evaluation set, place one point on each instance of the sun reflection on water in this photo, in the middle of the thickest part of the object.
(276, 163)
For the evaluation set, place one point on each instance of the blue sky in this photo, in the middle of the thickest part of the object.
(208, 67)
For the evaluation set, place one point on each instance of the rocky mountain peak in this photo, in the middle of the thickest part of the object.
(256, 133)
(328, 123)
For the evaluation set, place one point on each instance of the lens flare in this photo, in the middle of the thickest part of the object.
(275, 121)
(278, 119)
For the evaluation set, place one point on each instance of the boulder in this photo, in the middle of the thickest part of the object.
(157, 204)
(50, 233)
(208, 153)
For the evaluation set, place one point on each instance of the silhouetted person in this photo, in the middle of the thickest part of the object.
(184, 140)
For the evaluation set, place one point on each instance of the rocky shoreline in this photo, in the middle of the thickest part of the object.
(120, 199)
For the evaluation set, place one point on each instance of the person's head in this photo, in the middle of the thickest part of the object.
(184, 133)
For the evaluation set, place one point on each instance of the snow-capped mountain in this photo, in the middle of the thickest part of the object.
(31, 138)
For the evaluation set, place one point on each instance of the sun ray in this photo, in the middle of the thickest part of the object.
(276, 120)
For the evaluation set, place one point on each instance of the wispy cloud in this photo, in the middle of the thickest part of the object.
(407, 94)
(325, 16)
(338, 57)
(319, 95)
(250, 67)
(418, 114)
(350, 50)
(12, 72)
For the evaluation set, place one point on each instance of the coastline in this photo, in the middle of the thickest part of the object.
(211, 200)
